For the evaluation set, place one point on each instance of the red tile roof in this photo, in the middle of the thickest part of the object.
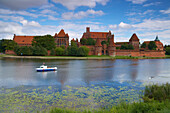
(99, 34)
(23, 39)
(134, 38)
(61, 33)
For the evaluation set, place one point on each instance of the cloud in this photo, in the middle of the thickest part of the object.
(152, 4)
(165, 11)
(24, 13)
(13, 18)
(10, 28)
(32, 23)
(21, 4)
(81, 14)
(137, 1)
(72, 4)
(50, 12)
(112, 26)
(124, 25)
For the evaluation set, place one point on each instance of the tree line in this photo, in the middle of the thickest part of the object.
(40, 47)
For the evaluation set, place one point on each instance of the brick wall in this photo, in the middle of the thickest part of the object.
(10, 52)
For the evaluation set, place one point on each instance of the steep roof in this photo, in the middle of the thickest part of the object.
(61, 33)
(23, 39)
(99, 34)
(134, 38)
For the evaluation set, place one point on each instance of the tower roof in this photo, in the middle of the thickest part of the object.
(61, 33)
(156, 39)
(134, 37)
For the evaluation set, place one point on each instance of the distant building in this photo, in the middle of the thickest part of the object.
(158, 43)
(61, 39)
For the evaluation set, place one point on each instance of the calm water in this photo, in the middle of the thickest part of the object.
(15, 72)
(77, 84)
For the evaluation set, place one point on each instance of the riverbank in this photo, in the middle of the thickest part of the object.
(103, 57)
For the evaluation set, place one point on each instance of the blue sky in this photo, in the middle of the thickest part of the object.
(146, 18)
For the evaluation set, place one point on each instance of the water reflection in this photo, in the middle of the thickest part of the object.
(14, 72)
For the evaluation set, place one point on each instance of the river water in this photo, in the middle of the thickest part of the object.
(15, 72)
(78, 84)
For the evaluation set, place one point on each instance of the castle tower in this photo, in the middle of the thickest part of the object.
(98, 48)
(112, 47)
(134, 41)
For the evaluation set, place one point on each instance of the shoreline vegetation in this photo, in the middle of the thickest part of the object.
(156, 99)
(92, 57)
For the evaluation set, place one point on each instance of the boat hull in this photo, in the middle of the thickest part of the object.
(43, 70)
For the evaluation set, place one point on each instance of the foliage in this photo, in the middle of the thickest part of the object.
(152, 45)
(117, 47)
(59, 51)
(167, 49)
(156, 92)
(88, 41)
(39, 51)
(143, 45)
(7, 45)
(83, 41)
(103, 42)
(127, 47)
(52, 52)
(46, 41)
(62, 46)
(72, 50)
(26, 51)
(83, 51)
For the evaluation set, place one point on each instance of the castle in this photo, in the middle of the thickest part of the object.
(111, 49)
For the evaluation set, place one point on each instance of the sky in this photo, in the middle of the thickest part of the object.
(146, 18)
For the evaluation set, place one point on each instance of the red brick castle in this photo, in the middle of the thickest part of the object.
(111, 49)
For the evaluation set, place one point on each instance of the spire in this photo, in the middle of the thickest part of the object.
(98, 43)
(156, 39)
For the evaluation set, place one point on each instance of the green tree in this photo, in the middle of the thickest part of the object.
(7, 45)
(143, 45)
(26, 51)
(72, 50)
(167, 50)
(83, 41)
(39, 51)
(127, 46)
(152, 45)
(103, 42)
(46, 41)
(83, 51)
(91, 41)
(62, 46)
(59, 51)
(52, 52)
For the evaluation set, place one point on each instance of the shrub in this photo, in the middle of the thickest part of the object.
(83, 51)
(59, 51)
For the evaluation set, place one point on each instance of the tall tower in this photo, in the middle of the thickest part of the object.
(134, 41)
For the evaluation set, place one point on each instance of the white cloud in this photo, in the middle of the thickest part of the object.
(13, 18)
(24, 13)
(10, 28)
(152, 4)
(137, 1)
(81, 14)
(47, 11)
(112, 26)
(165, 11)
(21, 4)
(124, 25)
(72, 4)
(32, 23)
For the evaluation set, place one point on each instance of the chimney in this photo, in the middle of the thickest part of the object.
(87, 29)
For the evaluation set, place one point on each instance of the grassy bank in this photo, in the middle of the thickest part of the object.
(156, 99)
(92, 57)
